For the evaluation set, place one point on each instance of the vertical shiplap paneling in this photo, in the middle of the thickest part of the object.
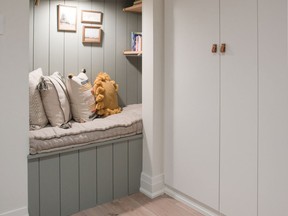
(84, 49)
(56, 54)
(139, 85)
(110, 38)
(139, 66)
(121, 29)
(41, 36)
(31, 36)
(120, 169)
(98, 49)
(62, 185)
(132, 62)
(71, 47)
(33, 187)
(135, 165)
(69, 176)
(88, 181)
(64, 51)
(104, 174)
(50, 186)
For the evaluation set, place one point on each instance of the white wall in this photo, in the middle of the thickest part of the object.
(153, 70)
(14, 67)
(252, 166)
(191, 121)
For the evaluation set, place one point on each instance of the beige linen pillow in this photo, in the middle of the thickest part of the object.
(37, 116)
(55, 100)
(81, 99)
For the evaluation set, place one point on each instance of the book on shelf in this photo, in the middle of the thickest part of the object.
(137, 2)
(136, 41)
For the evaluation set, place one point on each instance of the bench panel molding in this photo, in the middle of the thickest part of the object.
(63, 183)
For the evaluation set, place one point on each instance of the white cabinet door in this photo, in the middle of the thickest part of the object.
(238, 133)
(273, 108)
(192, 99)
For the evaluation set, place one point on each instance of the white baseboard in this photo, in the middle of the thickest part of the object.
(152, 186)
(16, 212)
(190, 202)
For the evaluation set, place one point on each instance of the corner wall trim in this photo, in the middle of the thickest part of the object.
(16, 212)
(190, 202)
(152, 186)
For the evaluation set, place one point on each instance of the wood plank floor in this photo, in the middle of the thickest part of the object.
(140, 205)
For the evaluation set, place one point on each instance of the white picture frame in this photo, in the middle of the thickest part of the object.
(92, 34)
(92, 17)
(67, 18)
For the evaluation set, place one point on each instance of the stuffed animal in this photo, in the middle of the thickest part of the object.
(105, 93)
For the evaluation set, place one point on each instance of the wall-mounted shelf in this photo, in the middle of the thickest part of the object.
(137, 8)
(134, 9)
(132, 53)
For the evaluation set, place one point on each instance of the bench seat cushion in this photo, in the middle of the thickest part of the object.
(126, 123)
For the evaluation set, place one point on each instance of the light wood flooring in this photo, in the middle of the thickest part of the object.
(140, 205)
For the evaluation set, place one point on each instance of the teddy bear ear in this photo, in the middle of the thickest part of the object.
(70, 76)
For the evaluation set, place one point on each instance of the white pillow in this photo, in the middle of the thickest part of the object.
(55, 100)
(37, 116)
(81, 98)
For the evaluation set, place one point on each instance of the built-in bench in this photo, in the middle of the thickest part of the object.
(91, 163)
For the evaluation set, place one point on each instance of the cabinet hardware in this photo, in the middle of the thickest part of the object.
(223, 48)
(214, 48)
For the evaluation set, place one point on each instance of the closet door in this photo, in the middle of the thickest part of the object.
(238, 133)
(192, 102)
(273, 108)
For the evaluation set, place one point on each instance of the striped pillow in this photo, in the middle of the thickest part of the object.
(55, 100)
(37, 116)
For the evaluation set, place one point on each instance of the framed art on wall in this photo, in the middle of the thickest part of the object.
(67, 18)
(91, 34)
(93, 17)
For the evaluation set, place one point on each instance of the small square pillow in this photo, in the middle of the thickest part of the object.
(105, 91)
(37, 116)
(81, 98)
(55, 100)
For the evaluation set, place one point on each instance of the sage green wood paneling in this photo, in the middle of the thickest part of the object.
(98, 50)
(139, 66)
(42, 36)
(33, 187)
(69, 179)
(65, 52)
(88, 181)
(84, 50)
(135, 165)
(110, 38)
(49, 186)
(104, 174)
(132, 63)
(139, 80)
(75, 180)
(120, 169)
(121, 31)
(71, 46)
(31, 35)
(56, 42)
